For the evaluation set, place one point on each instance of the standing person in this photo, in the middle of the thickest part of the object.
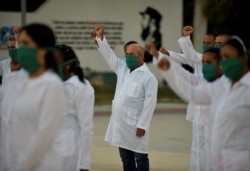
(211, 72)
(30, 124)
(133, 104)
(197, 113)
(5, 64)
(229, 100)
(77, 131)
(10, 64)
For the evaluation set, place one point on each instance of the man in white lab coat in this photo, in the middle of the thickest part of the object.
(133, 104)
(10, 64)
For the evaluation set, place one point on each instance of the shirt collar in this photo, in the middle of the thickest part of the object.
(143, 68)
(73, 80)
(245, 79)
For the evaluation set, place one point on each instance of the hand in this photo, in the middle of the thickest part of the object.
(164, 51)
(151, 48)
(99, 31)
(140, 132)
(187, 30)
(93, 35)
(164, 64)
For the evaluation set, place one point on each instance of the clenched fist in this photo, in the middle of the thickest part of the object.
(151, 48)
(99, 31)
(164, 64)
(187, 30)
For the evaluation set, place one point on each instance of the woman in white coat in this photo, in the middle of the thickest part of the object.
(75, 137)
(229, 98)
(32, 105)
(211, 72)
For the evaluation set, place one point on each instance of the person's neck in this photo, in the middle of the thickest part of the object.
(244, 72)
(38, 73)
(68, 76)
(131, 70)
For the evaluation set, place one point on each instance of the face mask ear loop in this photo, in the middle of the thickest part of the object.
(60, 67)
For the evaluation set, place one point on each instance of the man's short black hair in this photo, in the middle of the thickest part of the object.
(129, 43)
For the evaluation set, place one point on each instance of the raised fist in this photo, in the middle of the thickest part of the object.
(187, 30)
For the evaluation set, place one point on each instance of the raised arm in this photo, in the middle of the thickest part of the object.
(104, 48)
(175, 56)
(181, 85)
(182, 73)
(187, 46)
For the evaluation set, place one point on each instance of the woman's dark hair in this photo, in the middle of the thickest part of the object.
(69, 54)
(44, 37)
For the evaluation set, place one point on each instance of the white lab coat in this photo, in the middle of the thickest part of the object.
(229, 130)
(75, 137)
(193, 110)
(194, 59)
(198, 115)
(133, 104)
(32, 112)
(5, 70)
(191, 54)
(196, 112)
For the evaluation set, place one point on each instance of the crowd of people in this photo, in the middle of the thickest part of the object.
(47, 105)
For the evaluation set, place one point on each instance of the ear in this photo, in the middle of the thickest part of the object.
(141, 59)
(67, 66)
(41, 56)
(245, 58)
(218, 70)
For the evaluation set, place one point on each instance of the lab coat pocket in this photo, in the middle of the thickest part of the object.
(129, 115)
(65, 143)
(134, 89)
(235, 160)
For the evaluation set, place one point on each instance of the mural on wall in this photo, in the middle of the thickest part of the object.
(145, 21)
(5, 32)
(151, 24)
(77, 33)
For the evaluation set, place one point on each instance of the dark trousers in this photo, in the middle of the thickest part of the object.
(133, 161)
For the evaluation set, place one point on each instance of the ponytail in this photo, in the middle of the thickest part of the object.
(79, 72)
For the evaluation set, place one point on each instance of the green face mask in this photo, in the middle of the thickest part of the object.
(131, 61)
(13, 53)
(205, 47)
(60, 67)
(27, 58)
(218, 46)
(232, 68)
(209, 72)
